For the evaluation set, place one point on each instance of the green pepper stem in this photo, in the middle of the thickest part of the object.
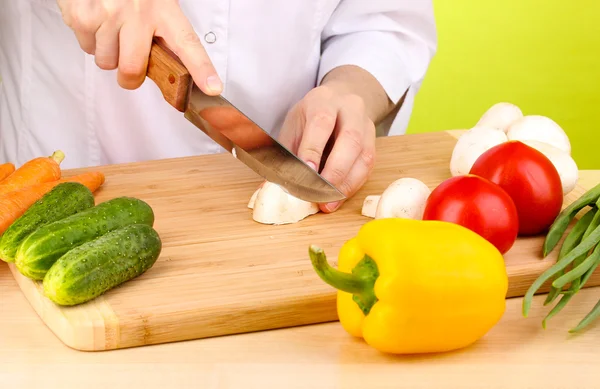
(360, 283)
(346, 282)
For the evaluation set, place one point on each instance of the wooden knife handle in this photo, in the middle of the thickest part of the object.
(169, 74)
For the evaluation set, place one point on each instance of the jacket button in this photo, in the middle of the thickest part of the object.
(210, 37)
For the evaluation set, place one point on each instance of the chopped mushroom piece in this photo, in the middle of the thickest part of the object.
(369, 207)
(270, 204)
(253, 198)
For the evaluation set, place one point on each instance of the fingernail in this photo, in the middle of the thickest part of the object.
(312, 165)
(214, 84)
(332, 206)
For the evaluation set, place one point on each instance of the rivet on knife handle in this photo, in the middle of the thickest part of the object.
(169, 74)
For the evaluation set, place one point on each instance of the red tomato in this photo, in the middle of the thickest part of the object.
(477, 204)
(529, 178)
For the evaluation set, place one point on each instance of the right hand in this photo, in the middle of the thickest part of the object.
(119, 34)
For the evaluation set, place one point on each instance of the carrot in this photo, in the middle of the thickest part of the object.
(93, 180)
(6, 169)
(34, 171)
(14, 204)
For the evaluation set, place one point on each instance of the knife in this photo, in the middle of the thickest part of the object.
(235, 132)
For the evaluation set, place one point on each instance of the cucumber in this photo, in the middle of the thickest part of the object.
(97, 266)
(42, 248)
(63, 200)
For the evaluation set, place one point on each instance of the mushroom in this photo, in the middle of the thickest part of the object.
(542, 129)
(500, 116)
(562, 161)
(404, 198)
(471, 145)
(270, 204)
(369, 207)
(253, 198)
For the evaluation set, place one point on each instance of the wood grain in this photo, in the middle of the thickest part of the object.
(169, 74)
(516, 354)
(222, 273)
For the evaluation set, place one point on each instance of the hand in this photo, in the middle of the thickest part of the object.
(119, 34)
(329, 113)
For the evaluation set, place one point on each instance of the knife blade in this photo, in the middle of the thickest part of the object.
(236, 132)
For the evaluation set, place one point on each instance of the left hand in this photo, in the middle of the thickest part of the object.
(330, 113)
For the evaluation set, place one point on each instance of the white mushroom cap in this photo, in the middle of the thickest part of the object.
(471, 145)
(404, 198)
(562, 161)
(542, 129)
(272, 205)
(500, 116)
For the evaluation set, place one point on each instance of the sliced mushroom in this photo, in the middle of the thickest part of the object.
(369, 207)
(270, 204)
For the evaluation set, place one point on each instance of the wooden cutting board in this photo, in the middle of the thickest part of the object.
(222, 273)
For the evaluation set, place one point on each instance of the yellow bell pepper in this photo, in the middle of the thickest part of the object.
(411, 286)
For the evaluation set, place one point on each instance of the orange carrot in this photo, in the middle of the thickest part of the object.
(15, 203)
(6, 169)
(93, 180)
(35, 171)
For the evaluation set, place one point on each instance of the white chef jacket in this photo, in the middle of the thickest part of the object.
(269, 54)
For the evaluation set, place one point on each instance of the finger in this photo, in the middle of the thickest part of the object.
(107, 45)
(360, 170)
(84, 18)
(291, 130)
(180, 36)
(87, 41)
(347, 147)
(65, 7)
(320, 121)
(135, 42)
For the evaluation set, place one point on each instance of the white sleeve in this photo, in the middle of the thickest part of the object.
(394, 40)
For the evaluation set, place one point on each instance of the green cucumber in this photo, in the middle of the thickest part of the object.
(41, 249)
(63, 200)
(95, 267)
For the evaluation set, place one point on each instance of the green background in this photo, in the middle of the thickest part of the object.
(542, 55)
